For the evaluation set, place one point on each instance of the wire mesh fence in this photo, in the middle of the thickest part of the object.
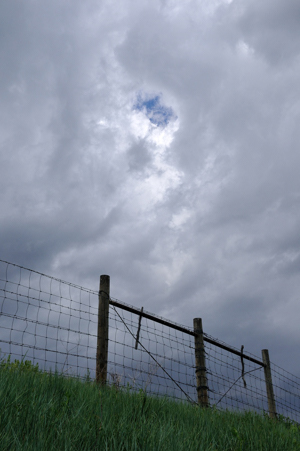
(287, 392)
(55, 322)
(161, 361)
(228, 389)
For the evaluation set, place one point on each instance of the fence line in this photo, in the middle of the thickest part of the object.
(186, 330)
(135, 348)
(213, 374)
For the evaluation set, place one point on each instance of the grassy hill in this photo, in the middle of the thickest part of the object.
(46, 411)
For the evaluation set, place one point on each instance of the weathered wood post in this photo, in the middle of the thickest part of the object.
(102, 336)
(201, 378)
(269, 385)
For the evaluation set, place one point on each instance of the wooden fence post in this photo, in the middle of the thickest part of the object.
(102, 336)
(201, 378)
(269, 385)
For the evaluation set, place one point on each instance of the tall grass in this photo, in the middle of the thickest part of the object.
(47, 411)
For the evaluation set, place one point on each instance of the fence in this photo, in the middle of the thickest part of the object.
(133, 347)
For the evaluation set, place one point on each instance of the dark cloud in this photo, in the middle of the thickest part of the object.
(271, 28)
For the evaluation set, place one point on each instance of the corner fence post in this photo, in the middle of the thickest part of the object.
(201, 378)
(102, 336)
(269, 385)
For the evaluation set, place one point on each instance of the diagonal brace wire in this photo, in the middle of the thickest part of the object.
(190, 399)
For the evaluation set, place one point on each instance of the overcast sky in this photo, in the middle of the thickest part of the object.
(158, 142)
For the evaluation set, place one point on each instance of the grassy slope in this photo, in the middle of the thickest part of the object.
(49, 412)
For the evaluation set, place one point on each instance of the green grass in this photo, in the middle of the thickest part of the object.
(47, 411)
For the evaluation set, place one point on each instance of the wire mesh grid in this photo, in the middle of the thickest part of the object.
(161, 362)
(287, 393)
(47, 319)
(234, 385)
(227, 387)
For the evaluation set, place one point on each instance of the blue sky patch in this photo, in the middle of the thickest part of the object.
(157, 113)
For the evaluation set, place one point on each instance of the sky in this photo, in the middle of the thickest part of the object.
(158, 142)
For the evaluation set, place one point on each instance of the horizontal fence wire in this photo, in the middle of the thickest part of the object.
(54, 322)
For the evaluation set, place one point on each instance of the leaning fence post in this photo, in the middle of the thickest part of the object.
(102, 336)
(269, 385)
(201, 378)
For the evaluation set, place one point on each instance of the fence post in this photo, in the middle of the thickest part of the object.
(269, 385)
(102, 336)
(201, 378)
